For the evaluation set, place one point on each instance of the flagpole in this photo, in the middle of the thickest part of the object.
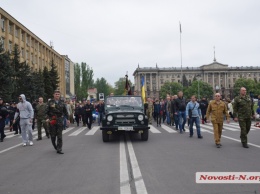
(181, 57)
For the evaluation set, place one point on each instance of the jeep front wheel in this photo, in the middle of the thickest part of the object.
(145, 135)
(105, 136)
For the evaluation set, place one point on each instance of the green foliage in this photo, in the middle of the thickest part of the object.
(171, 88)
(6, 73)
(54, 77)
(83, 80)
(185, 81)
(120, 86)
(102, 86)
(48, 90)
(249, 84)
(200, 89)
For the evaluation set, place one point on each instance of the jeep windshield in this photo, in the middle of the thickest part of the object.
(124, 102)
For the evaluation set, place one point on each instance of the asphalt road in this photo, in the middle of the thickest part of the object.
(165, 164)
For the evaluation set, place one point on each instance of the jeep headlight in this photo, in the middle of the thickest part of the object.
(140, 117)
(109, 118)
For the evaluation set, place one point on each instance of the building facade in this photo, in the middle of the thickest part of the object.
(220, 76)
(33, 50)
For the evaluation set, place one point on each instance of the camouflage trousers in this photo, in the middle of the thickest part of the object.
(149, 115)
(41, 122)
(56, 133)
(245, 125)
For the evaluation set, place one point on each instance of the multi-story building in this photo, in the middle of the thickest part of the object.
(33, 50)
(220, 76)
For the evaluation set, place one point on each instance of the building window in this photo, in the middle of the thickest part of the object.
(167, 76)
(10, 46)
(10, 28)
(22, 36)
(26, 55)
(22, 52)
(16, 32)
(28, 40)
(31, 59)
(3, 24)
(3, 45)
(161, 81)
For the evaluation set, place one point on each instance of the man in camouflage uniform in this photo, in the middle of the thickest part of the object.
(40, 111)
(243, 112)
(55, 111)
(149, 110)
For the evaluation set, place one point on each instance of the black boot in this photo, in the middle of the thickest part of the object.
(53, 141)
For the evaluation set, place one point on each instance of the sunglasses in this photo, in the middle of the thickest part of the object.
(217, 96)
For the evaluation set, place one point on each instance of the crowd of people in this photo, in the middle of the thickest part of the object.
(176, 111)
(54, 115)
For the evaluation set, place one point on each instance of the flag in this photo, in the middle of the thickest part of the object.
(127, 87)
(180, 27)
(142, 89)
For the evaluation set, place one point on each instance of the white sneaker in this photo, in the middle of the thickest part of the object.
(24, 144)
(31, 143)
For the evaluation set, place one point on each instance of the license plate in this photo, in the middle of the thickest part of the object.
(125, 128)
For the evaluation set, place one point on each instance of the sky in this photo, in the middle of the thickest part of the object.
(114, 36)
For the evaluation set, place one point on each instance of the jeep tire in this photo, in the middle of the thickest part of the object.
(105, 136)
(145, 135)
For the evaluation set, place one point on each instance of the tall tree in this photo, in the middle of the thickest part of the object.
(54, 77)
(102, 86)
(185, 81)
(37, 85)
(200, 89)
(21, 75)
(48, 90)
(84, 76)
(120, 86)
(249, 84)
(171, 88)
(6, 73)
(77, 79)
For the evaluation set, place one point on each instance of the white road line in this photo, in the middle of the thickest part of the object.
(209, 127)
(43, 135)
(67, 130)
(153, 129)
(137, 175)
(5, 150)
(78, 131)
(124, 177)
(168, 129)
(251, 129)
(258, 146)
(92, 131)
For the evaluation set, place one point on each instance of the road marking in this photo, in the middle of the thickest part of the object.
(210, 127)
(92, 131)
(168, 129)
(137, 175)
(153, 129)
(124, 177)
(251, 129)
(78, 131)
(67, 130)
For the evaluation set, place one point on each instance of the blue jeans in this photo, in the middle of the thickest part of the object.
(168, 117)
(182, 120)
(176, 121)
(100, 115)
(195, 120)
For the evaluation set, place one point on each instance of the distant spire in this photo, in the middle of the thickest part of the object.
(156, 65)
(214, 55)
(138, 65)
